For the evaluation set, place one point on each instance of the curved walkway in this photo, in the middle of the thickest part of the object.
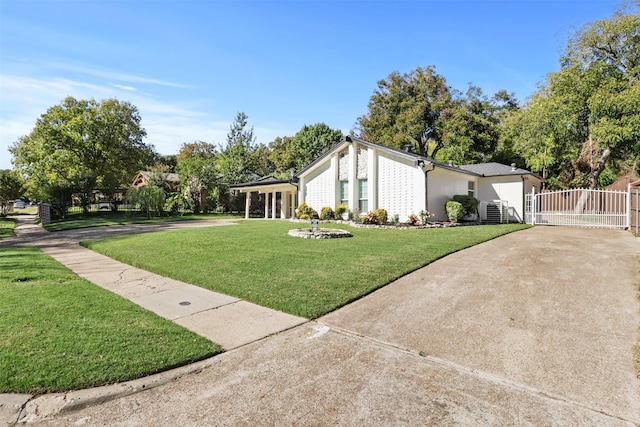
(536, 327)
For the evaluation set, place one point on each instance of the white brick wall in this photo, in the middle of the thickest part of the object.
(320, 188)
(397, 187)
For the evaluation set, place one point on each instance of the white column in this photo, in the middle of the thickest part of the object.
(353, 177)
(336, 178)
(372, 176)
(273, 204)
(266, 205)
(246, 205)
(302, 193)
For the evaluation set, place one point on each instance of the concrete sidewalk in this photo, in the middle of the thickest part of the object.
(225, 320)
(534, 328)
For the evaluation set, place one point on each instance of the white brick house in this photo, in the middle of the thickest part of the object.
(366, 176)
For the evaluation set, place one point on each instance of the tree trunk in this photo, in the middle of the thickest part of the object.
(598, 168)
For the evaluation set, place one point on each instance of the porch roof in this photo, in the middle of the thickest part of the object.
(266, 184)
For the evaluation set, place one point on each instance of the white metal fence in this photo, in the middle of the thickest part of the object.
(579, 207)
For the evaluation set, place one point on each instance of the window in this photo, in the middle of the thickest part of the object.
(471, 188)
(344, 192)
(363, 201)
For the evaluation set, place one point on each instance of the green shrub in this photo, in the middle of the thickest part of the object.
(382, 215)
(455, 211)
(341, 209)
(326, 213)
(469, 204)
(304, 209)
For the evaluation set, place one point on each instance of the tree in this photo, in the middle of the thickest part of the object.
(11, 188)
(196, 148)
(84, 145)
(407, 109)
(311, 142)
(282, 157)
(419, 109)
(236, 157)
(150, 197)
(199, 179)
(470, 128)
(586, 117)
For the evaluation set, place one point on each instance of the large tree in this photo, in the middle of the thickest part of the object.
(586, 117)
(419, 109)
(11, 187)
(196, 149)
(83, 145)
(311, 142)
(236, 160)
(407, 109)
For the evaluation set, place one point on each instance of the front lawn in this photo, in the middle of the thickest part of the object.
(59, 332)
(259, 262)
(98, 219)
(7, 226)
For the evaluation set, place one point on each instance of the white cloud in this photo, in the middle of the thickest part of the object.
(114, 75)
(123, 87)
(168, 123)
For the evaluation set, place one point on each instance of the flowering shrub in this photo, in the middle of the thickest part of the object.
(424, 216)
(341, 209)
(371, 218)
(304, 211)
(326, 213)
(382, 215)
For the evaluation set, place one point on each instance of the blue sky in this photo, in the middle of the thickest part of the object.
(191, 65)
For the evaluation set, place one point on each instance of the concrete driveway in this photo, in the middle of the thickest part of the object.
(533, 328)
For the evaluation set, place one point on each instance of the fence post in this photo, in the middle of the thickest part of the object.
(533, 205)
(628, 216)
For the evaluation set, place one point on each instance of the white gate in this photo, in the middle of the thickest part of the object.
(579, 207)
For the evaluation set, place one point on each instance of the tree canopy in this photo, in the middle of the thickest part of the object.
(419, 109)
(83, 145)
(311, 142)
(236, 158)
(11, 187)
(585, 119)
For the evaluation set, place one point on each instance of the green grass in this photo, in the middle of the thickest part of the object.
(257, 260)
(99, 219)
(7, 227)
(59, 332)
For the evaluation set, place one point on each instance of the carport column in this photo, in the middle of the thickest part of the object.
(266, 205)
(247, 203)
(273, 204)
(302, 191)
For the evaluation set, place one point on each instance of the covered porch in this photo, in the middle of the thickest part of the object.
(279, 196)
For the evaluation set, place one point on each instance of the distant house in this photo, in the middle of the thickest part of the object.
(366, 176)
(144, 177)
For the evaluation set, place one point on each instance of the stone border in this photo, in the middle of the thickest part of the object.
(321, 233)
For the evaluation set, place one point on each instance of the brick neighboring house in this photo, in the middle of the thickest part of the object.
(144, 177)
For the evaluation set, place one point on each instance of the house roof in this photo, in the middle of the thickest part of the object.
(401, 153)
(480, 169)
(264, 181)
(495, 169)
(169, 177)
